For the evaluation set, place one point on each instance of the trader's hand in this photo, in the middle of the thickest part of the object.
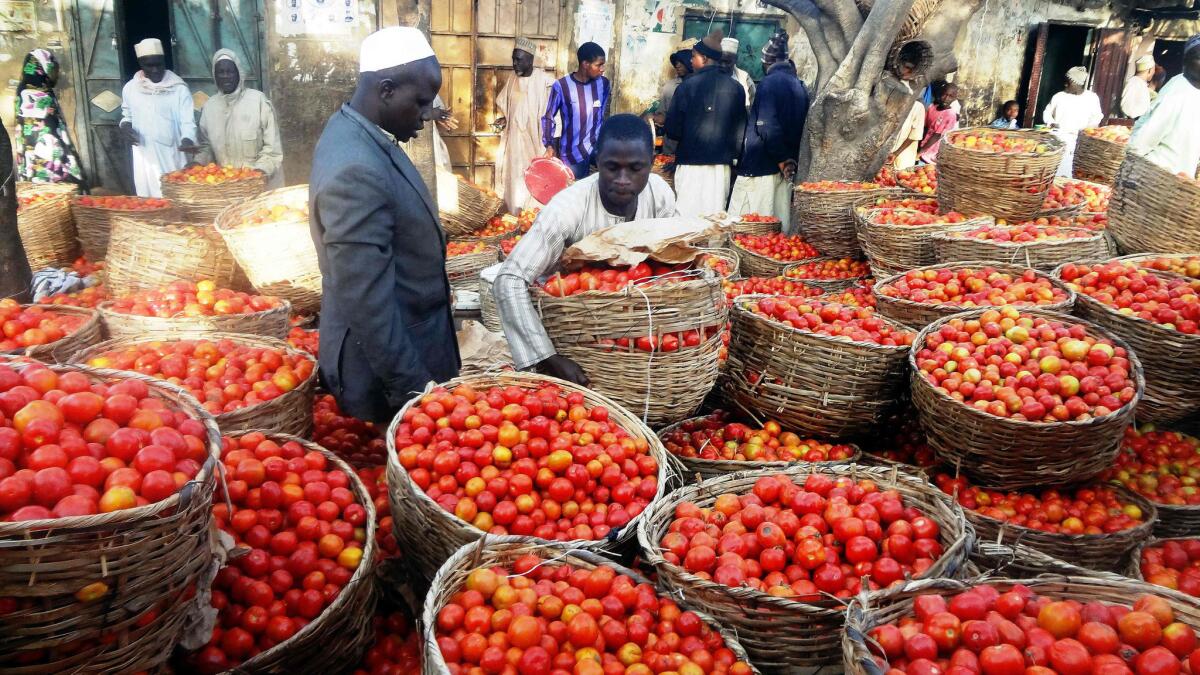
(445, 119)
(550, 154)
(500, 124)
(564, 369)
(187, 146)
(130, 134)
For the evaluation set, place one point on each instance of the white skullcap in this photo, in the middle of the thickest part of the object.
(148, 47)
(1145, 63)
(1078, 75)
(393, 46)
(729, 45)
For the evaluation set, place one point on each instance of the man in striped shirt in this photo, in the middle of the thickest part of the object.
(580, 101)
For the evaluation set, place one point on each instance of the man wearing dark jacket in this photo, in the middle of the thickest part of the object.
(777, 116)
(708, 119)
(386, 326)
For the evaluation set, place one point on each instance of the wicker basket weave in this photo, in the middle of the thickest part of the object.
(489, 314)
(892, 249)
(429, 535)
(813, 384)
(921, 314)
(278, 256)
(504, 551)
(1012, 186)
(1135, 565)
(268, 323)
(289, 413)
(94, 224)
(730, 256)
(792, 271)
(1152, 210)
(784, 634)
(758, 265)
(951, 246)
(1181, 257)
(826, 218)
(1171, 359)
(343, 631)
(462, 207)
(463, 270)
(744, 227)
(1007, 454)
(203, 202)
(144, 254)
(1097, 160)
(61, 350)
(46, 227)
(151, 558)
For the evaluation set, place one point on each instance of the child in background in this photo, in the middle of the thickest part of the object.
(1008, 116)
(940, 119)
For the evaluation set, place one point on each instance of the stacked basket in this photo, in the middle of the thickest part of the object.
(758, 225)
(462, 206)
(796, 272)
(145, 254)
(893, 248)
(463, 270)
(45, 225)
(955, 246)
(59, 351)
(1097, 159)
(1009, 185)
(203, 202)
(1152, 210)
(754, 264)
(94, 223)
(272, 322)
(825, 217)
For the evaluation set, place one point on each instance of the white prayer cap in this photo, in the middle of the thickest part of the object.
(1145, 63)
(148, 47)
(392, 46)
(729, 45)
(1078, 75)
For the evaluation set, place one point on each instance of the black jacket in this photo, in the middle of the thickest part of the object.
(386, 324)
(776, 122)
(708, 118)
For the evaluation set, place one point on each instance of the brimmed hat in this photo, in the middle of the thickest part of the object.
(710, 46)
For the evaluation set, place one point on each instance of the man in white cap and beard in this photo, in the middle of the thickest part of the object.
(729, 51)
(157, 119)
(386, 324)
(1135, 99)
(521, 103)
(1072, 110)
(1168, 134)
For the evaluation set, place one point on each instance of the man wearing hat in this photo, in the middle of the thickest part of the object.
(1072, 110)
(386, 325)
(729, 52)
(1135, 99)
(708, 119)
(1168, 134)
(521, 103)
(157, 119)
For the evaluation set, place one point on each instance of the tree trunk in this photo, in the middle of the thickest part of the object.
(15, 275)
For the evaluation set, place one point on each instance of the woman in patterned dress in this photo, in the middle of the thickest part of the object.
(44, 150)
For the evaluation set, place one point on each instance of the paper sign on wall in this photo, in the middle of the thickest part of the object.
(594, 23)
(17, 16)
(316, 17)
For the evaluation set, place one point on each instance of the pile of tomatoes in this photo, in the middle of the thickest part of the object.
(185, 298)
(610, 279)
(1093, 509)
(925, 204)
(1131, 290)
(396, 649)
(860, 324)
(498, 225)
(22, 326)
(123, 202)
(304, 340)
(357, 441)
(974, 287)
(768, 286)
(777, 246)
(280, 212)
(714, 436)
(1187, 266)
(1162, 466)
(1173, 564)
(837, 186)
(213, 174)
(457, 248)
(89, 297)
(835, 268)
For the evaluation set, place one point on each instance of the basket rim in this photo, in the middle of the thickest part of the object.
(803, 262)
(94, 207)
(1134, 319)
(866, 216)
(719, 463)
(229, 210)
(93, 319)
(1135, 370)
(741, 250)
(832, 339)
(1046, 137)
(105, 308)
(998, 266)
(699, 277)
(949, 235)
(260, 175)
(209, 469)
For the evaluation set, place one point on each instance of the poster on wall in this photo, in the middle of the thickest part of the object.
(663, 17)
(594, 23)
(316, 17)
(17, 16)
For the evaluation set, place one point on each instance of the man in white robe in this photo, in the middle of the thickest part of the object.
(1135, 99)
(1072, 110)
(521, 103)
(1168, 134)
(157, 119)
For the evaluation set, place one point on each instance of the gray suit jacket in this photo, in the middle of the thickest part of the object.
(386, 324)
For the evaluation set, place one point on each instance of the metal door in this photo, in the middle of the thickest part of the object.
(200, 27)
(97, 50)
(474, 43)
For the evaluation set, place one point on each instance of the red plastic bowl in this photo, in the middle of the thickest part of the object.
(546, 177)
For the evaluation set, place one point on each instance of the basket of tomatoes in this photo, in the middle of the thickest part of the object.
(898, 240)
(499, 228)
(1006, 174)
(187, 307)
(1153, 210)
(45, 225)
(49, 333)
(529, 425)
(824, 213)
(144, 254)
(94, 217)
(756, 224)
(465, 260)
(831, 275)
(1099, 153)
(505, 590)
(1040, 244)
(106, 517)
(1183, 264)
(202, 192)
(463, 206)
(1162, 466)
(244, 381)
(1172, 562)
(314, 614)
(837, 531)
(769, 255)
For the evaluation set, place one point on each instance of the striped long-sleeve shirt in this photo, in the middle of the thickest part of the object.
(581, 109)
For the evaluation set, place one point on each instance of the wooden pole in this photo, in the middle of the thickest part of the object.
(15, 275)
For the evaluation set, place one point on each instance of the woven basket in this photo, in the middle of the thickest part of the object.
(489, 314)
(290, 413)
(268, 323)
(60, 351)
(1011, 186)
(743, 227)
(730, 257)
(46, 228)
(827, 285)
(783, 634)
(810, 383)
(921, 314)
(659, 387)
(493, 240)
(865, 614)
(1009, 454)
(757, 265)
(343, 631)
(1135, 565)
(1171, 359)
(950, 247)
(1152, 210)
(1097, 160)
(144, 255)
(699, 469)
(151, 557)
(1143, 257)
(826, 219)
(429, 535)
(279, 257)
(462, 207)
(504, 551)
(463, 270)
(203, 202)
(94, 224)
(892, 249)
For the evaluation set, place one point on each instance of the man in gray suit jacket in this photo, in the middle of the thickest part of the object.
(386, 324)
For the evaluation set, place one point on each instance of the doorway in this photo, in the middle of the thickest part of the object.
(1057, 48)
(1169, 55)
(143, 19)
(751, 34)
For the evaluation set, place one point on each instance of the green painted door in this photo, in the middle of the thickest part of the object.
(96, 43)
(752, 34)
(197, 32)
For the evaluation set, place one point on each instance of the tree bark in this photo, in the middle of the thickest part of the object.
(15, 275)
